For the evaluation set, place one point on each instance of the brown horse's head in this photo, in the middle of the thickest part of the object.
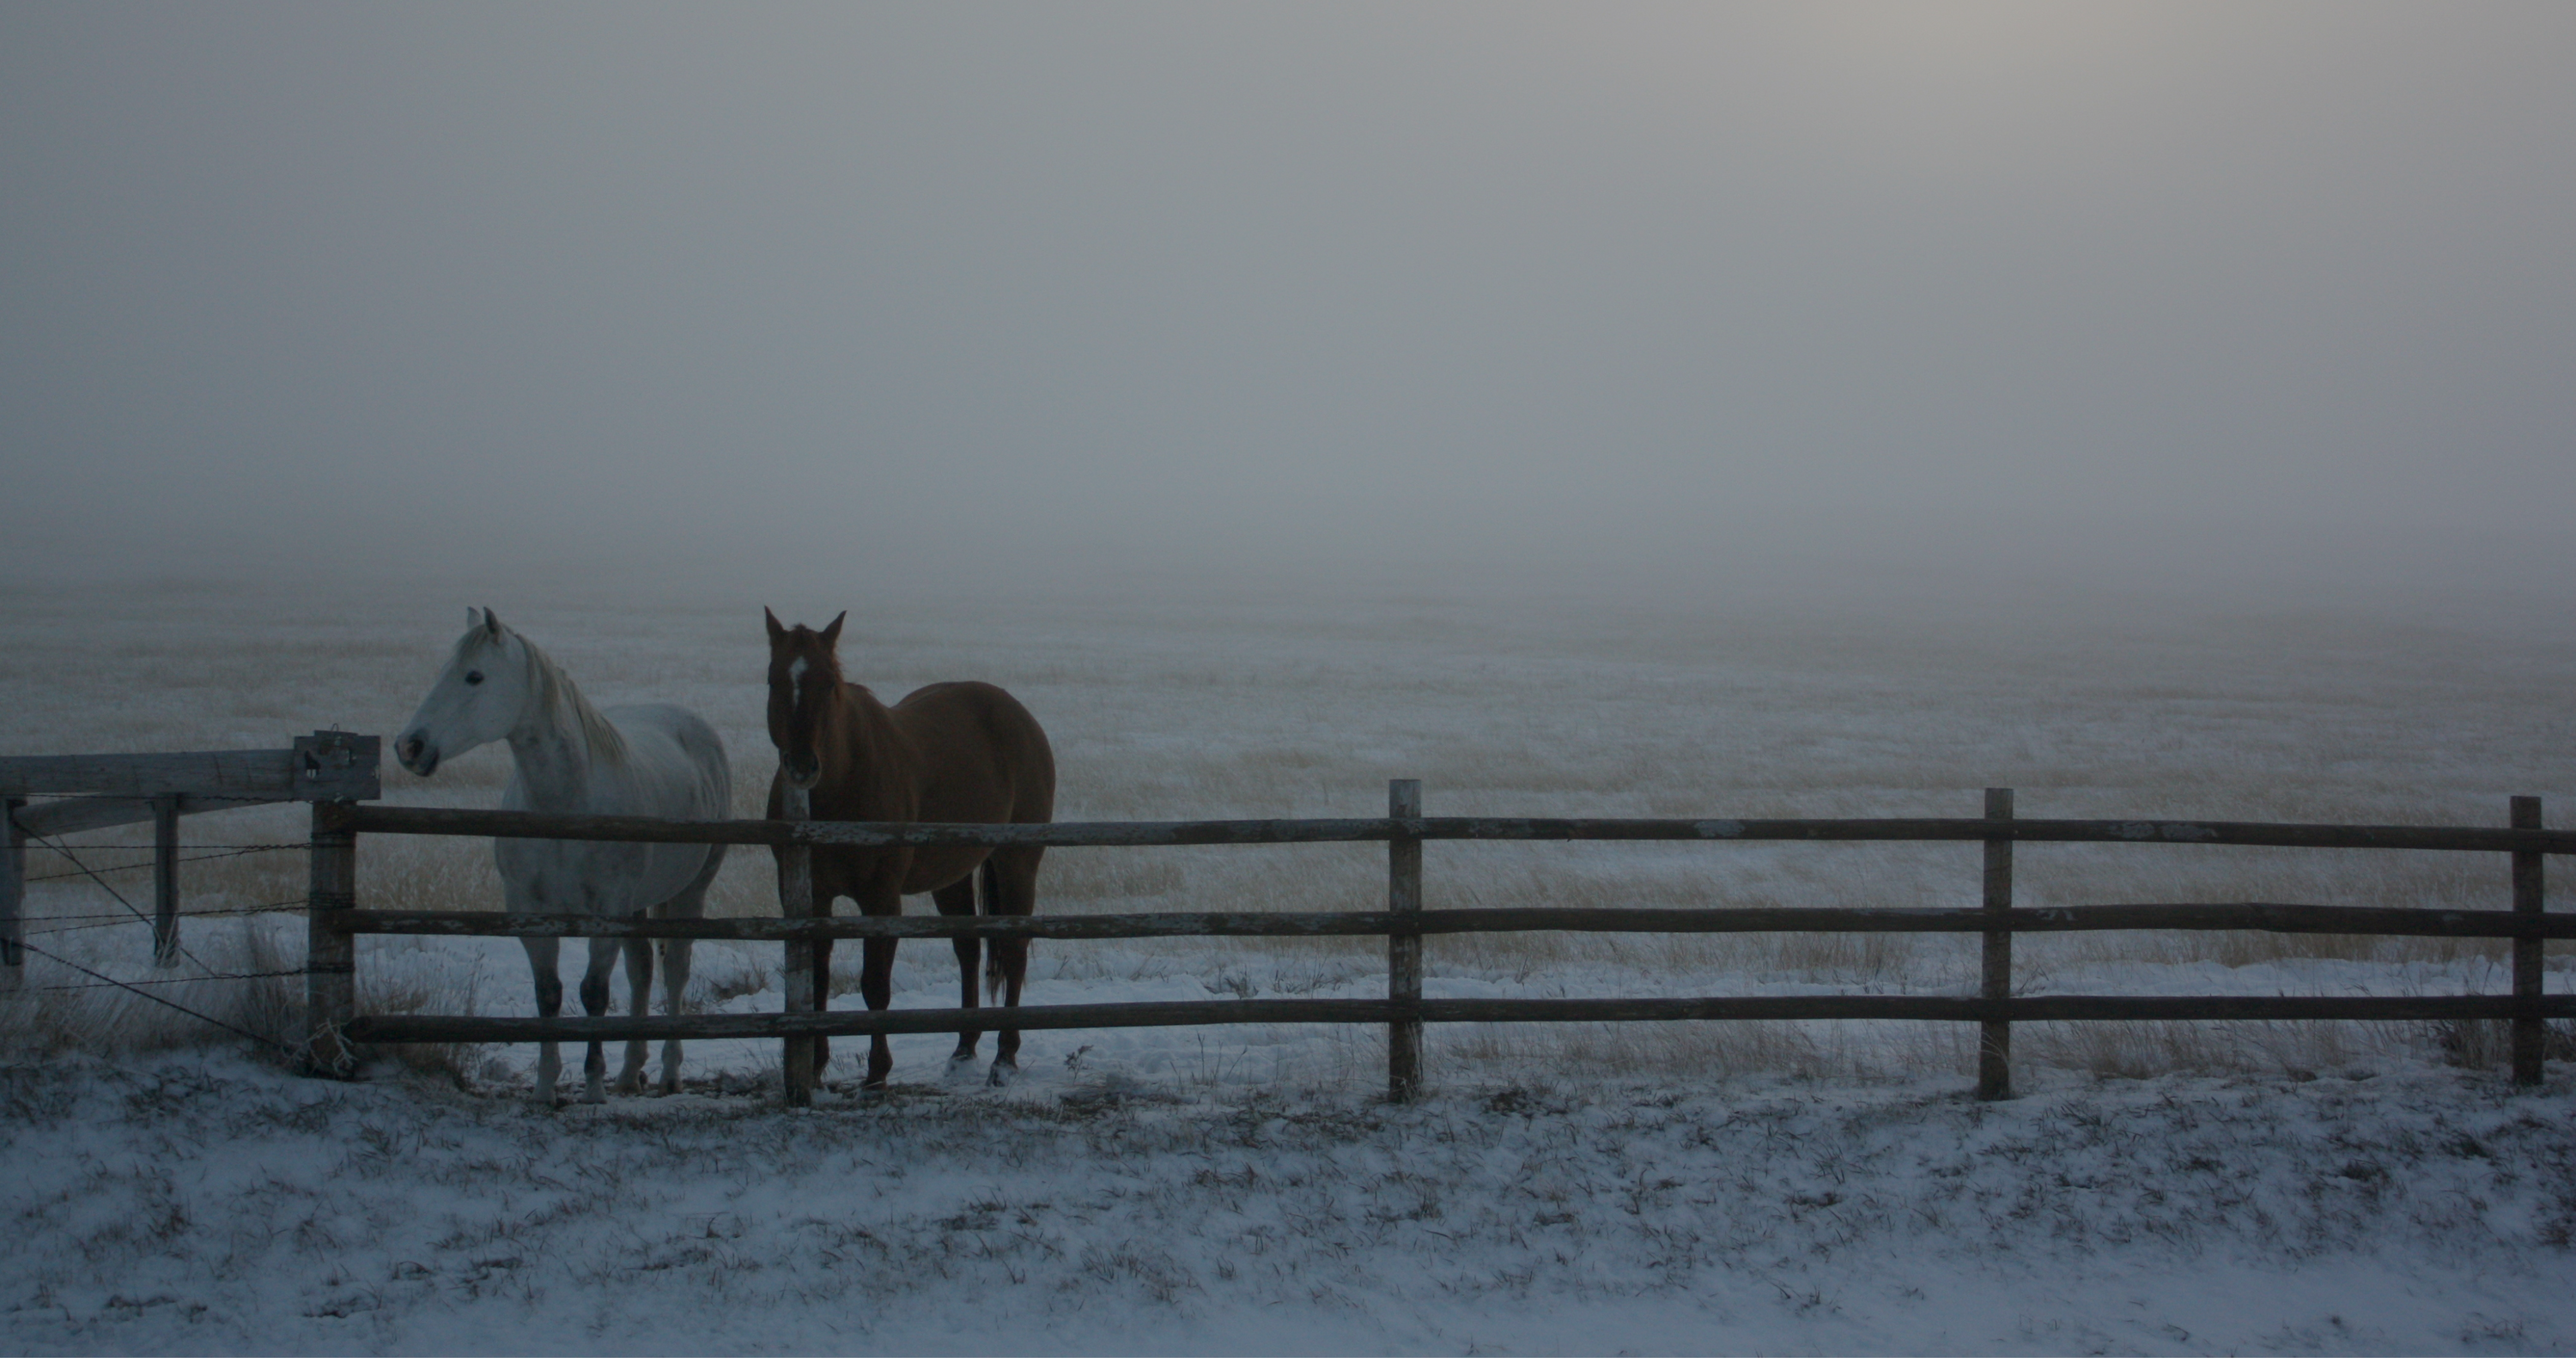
(804, 677)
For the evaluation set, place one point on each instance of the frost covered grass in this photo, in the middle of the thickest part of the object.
(212, 1204)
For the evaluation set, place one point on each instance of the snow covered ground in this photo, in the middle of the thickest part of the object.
(205, 1202)
(1737, 1187)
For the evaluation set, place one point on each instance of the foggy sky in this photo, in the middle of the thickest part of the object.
(2199, 294)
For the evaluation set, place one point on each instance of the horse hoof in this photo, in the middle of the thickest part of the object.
(1002, 1074)
(594, 1094)
(961, 1065)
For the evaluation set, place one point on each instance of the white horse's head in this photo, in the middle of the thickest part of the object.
(478, 698)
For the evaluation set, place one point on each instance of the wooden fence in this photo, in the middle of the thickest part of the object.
(335, 922)
(337, 771)
(97, 791)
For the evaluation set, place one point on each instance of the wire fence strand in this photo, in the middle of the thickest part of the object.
(234, 1028)
(110, 982)
(109, 920)
(231, 851)
(48, 798)
(58, 847)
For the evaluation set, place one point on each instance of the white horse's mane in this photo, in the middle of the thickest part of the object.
(554, 692)
(555, 688)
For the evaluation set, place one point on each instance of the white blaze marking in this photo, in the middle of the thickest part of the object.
(796, 678)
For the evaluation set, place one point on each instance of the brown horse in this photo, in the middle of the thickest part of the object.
(955, 753)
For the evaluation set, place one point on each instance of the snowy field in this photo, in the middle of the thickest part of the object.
(1772, 1187)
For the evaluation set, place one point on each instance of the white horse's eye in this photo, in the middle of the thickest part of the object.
(474, 676)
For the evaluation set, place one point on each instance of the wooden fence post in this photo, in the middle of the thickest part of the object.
(2530, 1031)
(13, 891)
(331, 954)
(796, 901)
(1994, 1036)
(165, 881)
(1404, 950)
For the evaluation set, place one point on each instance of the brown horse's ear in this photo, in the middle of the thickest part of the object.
(832, 635)
(776, 632)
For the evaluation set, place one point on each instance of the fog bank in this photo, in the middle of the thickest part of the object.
(1975, 300)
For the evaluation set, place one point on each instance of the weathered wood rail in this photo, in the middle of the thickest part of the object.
(1405, 923)
(99, 791)
(420, 820)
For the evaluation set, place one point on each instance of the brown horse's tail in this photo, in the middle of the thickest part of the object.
(988, 896)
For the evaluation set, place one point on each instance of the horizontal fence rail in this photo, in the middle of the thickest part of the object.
(2290, 919)
(421, 820)
(325, 766)
(1930, 1008)
(72, 815)
(1991, 1003)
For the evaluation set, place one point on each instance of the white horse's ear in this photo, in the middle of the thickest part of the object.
(491, 621)
(775, 630)
(473, 617)
(832, 635)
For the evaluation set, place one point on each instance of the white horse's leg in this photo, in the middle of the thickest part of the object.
(639, 1002)
(594, 1002)
(675, 989)
(691, 903)
(543, 954)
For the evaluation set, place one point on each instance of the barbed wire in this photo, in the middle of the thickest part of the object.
(242, 797)
(110, 982)
(192, 844)
(232, 851)
(278, 907)
(290, 1052)
(182, 948)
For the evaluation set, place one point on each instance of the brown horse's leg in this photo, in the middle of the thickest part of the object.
(958, 898)
(822, 997)
(876, 986)
(1014, 879)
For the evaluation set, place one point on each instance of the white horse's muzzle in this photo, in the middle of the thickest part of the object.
(417, 754)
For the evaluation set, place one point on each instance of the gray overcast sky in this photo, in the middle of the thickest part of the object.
(2199, 292)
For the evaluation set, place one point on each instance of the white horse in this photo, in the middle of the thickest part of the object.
(649, 759)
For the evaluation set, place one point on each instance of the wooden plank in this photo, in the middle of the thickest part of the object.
(331, 958)
(324, 766)
(71, 815)
(2271, 917)
(165, 881)
(1094, 834)
(13, 894)
(2272, 1008)
(1404, 946)
(1779, 1008)
(849, 1022)
(258, 775)
(1994, 1035)
(796, 903)
(864, 834)
(2530, 1034)
(2306, 919)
